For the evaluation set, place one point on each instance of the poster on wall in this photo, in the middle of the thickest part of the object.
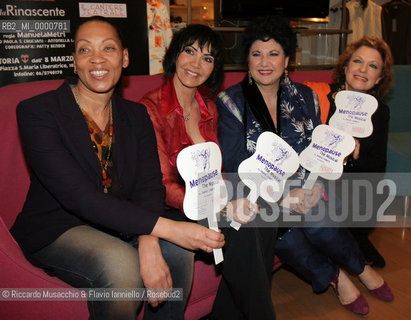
(36, 36)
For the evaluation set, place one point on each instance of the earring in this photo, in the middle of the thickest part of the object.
(250, 79)
(286, 78)
(75, 71)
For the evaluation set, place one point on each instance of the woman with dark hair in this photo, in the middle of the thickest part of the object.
(204, 37)
(183, 117)
(267, 100)
(96, 200)
(365, 66)
(180, 114)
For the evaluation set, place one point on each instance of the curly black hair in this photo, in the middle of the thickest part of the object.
(272, 27)
(205, 36)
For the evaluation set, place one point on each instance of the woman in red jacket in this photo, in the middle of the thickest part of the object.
(182, 116)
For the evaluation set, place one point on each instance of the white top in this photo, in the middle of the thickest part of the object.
(364, 22)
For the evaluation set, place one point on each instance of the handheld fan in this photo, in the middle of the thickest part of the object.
(325, 155)
(206, 194)
(353, 113)
(267, 170)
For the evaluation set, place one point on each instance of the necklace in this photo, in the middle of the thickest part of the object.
(106, 182)
(187, 116)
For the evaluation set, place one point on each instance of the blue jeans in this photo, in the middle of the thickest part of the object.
(85, 257)
(314, 250)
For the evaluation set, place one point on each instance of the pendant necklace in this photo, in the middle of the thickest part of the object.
(187, 116)
(106, 182)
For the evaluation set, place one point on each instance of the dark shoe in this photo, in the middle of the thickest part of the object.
(359, 305)
(383, 293)
(375, 258)
(371, 254)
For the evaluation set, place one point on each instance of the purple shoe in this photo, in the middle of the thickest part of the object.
(383, 293)
(359, 305)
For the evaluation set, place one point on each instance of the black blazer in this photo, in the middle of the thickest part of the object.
(65, 189)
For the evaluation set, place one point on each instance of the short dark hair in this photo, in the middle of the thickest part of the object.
(99, 19)
(272, 27)
(205, 36)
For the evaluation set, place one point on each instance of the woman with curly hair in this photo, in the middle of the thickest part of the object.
(268, 100)
(365, 66)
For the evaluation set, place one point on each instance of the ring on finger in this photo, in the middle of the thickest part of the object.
(251, 208)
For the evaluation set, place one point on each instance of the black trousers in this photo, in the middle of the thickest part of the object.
(244, 291)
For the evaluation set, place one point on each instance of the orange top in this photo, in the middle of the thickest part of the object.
(322, 89)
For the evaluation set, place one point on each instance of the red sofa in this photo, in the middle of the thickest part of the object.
(15, 270)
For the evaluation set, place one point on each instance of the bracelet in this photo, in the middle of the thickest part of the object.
(223, 210)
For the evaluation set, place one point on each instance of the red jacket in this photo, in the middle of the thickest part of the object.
(167, 116)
